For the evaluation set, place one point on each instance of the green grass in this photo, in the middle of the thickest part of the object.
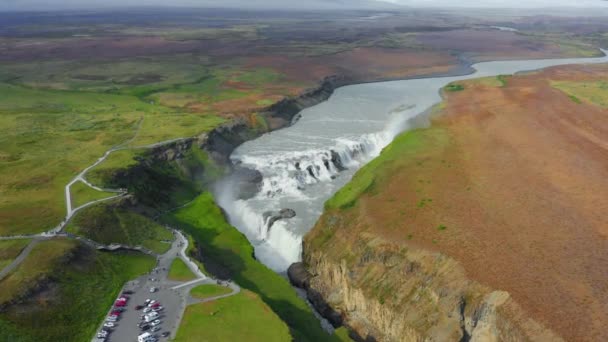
(209, 290)
(454, 87)
(101, 175)
(225, 249)
(80, 293)
(10, 249)
(66, 131)
(585, 92)
(365, 179)
(39, 265)
(575, 99)
(242, 317)
(82, 194)
(179, 271)
(108, 224)
(503, 79)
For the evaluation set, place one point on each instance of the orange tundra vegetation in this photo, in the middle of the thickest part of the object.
(511, 182)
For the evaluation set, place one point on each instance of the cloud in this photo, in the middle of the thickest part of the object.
(502, 3)
(291, 4)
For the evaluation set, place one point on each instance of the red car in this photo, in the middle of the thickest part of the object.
(115, 313)
(118, 303)
(155, 305)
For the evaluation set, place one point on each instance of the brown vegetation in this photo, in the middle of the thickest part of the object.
(511, 182)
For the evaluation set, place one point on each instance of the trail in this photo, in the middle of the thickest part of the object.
(19, 259)
(70, 211)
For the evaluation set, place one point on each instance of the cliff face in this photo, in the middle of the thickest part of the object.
(383, 291)
(483, 226)
(221, 141)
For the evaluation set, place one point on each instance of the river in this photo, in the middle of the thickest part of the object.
(305, 164)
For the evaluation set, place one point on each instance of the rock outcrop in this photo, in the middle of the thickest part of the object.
(270, 217)
(384, 291)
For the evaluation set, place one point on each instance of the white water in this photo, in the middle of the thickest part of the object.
(357, 122)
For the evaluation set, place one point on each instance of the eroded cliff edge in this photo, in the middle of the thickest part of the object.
(383, 291)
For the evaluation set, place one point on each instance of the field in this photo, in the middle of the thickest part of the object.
(40, 264)
(206, 291)
(108, 224)
(179, 271)
(227, 254)
(240, 317)
(10, 249)
(508, 181)
(102, 174)
(79, 287)
(83, 194)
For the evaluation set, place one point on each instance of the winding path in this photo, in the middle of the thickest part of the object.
(70, 211)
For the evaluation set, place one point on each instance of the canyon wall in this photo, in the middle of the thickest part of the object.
(383, 291)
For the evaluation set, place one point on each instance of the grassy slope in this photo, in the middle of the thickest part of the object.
(37, 266)
(209, 290)
(224, 246)
(82, 194)
(242, 317)
(367, 177)
(101, 175)
(76, 298)
(10, 249)
(179, 271)
(106, 224)
(66, 131)
(590, 92)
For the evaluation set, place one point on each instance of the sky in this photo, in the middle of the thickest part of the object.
(13, 5)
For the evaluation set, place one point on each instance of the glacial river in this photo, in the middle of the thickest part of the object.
(305, 164)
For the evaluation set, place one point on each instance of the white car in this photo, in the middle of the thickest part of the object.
(109, 325)
(146, 310)
(152, 289)
(151, 303)
(155, 328)
(112, 319)
(160, 308)
(155, 323)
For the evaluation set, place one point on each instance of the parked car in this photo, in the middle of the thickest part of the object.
(155, 328)
(152, 289)
(109, 325)
(165, 334)
(112, 319)
(155, 323)
(157, 309)
(146, 310)
(139, 307)
(129, 292)
(148, 301)
(145, 327)
(116, 313)
(121, 309)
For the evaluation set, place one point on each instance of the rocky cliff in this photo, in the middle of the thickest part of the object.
(383, 291)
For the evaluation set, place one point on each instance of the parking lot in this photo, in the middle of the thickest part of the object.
(173, 301)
